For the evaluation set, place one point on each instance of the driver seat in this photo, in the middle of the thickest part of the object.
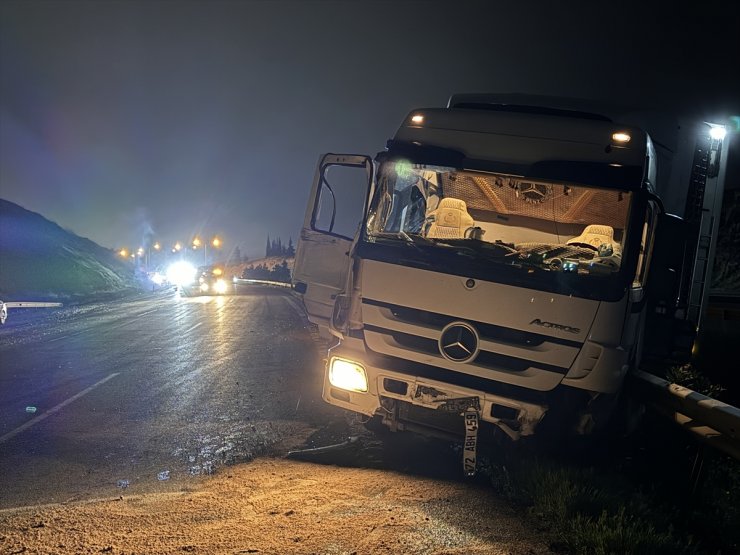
(450, 220)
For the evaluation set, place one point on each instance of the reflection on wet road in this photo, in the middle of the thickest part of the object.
(133, 394)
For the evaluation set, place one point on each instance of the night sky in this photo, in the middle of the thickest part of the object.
(122, 118)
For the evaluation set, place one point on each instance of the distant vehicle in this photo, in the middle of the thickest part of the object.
(211, 281)
(22, 304)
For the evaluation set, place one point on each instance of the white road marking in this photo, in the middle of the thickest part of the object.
(52, 410)
(191, 329)
(145, 313)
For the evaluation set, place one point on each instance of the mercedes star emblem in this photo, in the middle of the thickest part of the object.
(459, 342)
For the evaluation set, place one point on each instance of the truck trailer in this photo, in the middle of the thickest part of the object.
(506, 261)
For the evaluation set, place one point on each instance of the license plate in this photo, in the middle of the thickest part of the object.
(471, 440)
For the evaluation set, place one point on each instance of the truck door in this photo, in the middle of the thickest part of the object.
(335, 210)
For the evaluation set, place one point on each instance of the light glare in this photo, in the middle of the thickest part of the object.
(718, 132)
(621, 137)
(417, 118)
(220, 286)
(181, 273)
(347, 375)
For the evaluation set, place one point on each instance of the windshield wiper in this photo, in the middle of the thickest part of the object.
(410, 240)
(403, 238)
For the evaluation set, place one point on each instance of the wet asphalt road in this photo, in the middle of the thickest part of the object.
(148, 393)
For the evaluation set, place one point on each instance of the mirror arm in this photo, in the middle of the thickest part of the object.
(657, 200)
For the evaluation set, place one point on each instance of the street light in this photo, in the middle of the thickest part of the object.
(215, 242)
(156, 246)
(123, 253)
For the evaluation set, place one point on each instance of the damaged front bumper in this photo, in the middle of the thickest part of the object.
(407, 402)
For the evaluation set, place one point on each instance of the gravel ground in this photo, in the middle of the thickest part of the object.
(282, 506)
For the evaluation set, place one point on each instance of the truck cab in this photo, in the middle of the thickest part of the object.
(498, 263)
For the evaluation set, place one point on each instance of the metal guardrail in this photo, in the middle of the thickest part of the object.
(710, 420)
(241, 281)
(4, 306)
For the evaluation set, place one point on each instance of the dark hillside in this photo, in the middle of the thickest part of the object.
(41, 261)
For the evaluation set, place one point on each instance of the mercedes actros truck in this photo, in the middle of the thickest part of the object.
(509, 260)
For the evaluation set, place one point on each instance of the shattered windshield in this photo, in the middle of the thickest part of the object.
(506, 219)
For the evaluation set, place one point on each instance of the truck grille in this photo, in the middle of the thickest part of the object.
(502, 349)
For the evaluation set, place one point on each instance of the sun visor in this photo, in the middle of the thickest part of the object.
(594, 173)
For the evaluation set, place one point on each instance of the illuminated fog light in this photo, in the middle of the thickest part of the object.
(417, 118)
(348, 375)
(621, 137)
(220, 286)
(717, 132)
(204, 287)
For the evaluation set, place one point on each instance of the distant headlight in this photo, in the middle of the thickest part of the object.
(204, 287)
(181, 273)
(220, 286)
(348, 375)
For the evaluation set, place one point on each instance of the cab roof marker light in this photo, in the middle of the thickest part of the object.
(717, 132)
(417, 118)
(621, 137)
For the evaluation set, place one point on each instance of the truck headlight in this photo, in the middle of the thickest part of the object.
(348, 375)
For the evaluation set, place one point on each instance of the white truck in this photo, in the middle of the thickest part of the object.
(508, 261)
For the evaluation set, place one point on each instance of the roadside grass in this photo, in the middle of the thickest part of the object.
(689, 376)
(587, 510)
(636, 497)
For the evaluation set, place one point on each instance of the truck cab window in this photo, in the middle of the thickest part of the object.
(341, 200)
(505, 219)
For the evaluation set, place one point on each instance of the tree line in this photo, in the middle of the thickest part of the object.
(278, 272)
(276, 248)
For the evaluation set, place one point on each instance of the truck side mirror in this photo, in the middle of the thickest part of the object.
(668, 335)
(668, 260)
